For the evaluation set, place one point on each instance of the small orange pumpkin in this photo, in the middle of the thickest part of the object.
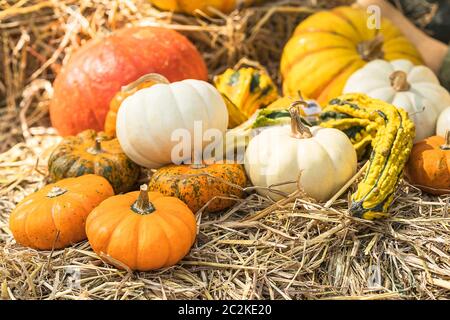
(198, 185)
(55, 216)
(145, 81)
(141, 230)
(429, 165)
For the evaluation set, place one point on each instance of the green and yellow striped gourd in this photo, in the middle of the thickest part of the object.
(245, 90)
(389, 132)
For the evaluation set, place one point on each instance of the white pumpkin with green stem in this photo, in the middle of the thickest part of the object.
(318, 160)
(147, 120)
(415, 89)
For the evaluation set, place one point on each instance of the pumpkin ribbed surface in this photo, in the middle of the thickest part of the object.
(145, 81)
(415, 89)
(141, 230)
(154, 125)
(329, 46)
(55, 216)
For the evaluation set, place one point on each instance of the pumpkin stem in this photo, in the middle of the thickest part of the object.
(399, 81)
(97, 148)
(154, 77)
(299, 130)
(446, 146)
(371, 49)
(56, 192)
(143, 205)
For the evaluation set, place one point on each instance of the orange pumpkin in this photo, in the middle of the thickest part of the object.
(143, 82)
(97, 71)
(141, 230)
(198, 185)
(429, 165)
(55, 216)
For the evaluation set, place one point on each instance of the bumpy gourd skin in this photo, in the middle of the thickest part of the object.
(76, 156)
(391, 134)
(248, 89)
(360, 131)
(154, 235)
(197, 186)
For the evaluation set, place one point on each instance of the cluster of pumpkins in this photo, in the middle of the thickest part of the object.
(119, 99)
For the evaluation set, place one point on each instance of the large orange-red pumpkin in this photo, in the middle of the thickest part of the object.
(95, 73)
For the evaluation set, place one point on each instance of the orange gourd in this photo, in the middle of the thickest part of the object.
(91, 152)
(429, 165)
(143, 82)
(55, 216)
(141, 230)
(198, 185)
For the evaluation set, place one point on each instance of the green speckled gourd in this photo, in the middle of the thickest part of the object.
(198, 185)
(359, 128)
(90, 152)
(390, 133)
(245, 90)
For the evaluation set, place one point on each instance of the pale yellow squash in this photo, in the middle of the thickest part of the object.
(329, 46)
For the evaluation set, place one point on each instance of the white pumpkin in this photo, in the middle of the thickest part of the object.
(415, 89)
(319, 160)
(147, 119)
(443, 123)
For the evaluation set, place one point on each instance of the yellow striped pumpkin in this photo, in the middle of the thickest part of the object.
(245, 90)
(189, 6)
(329, 46)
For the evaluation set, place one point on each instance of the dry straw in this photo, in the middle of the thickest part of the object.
(295, 249)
